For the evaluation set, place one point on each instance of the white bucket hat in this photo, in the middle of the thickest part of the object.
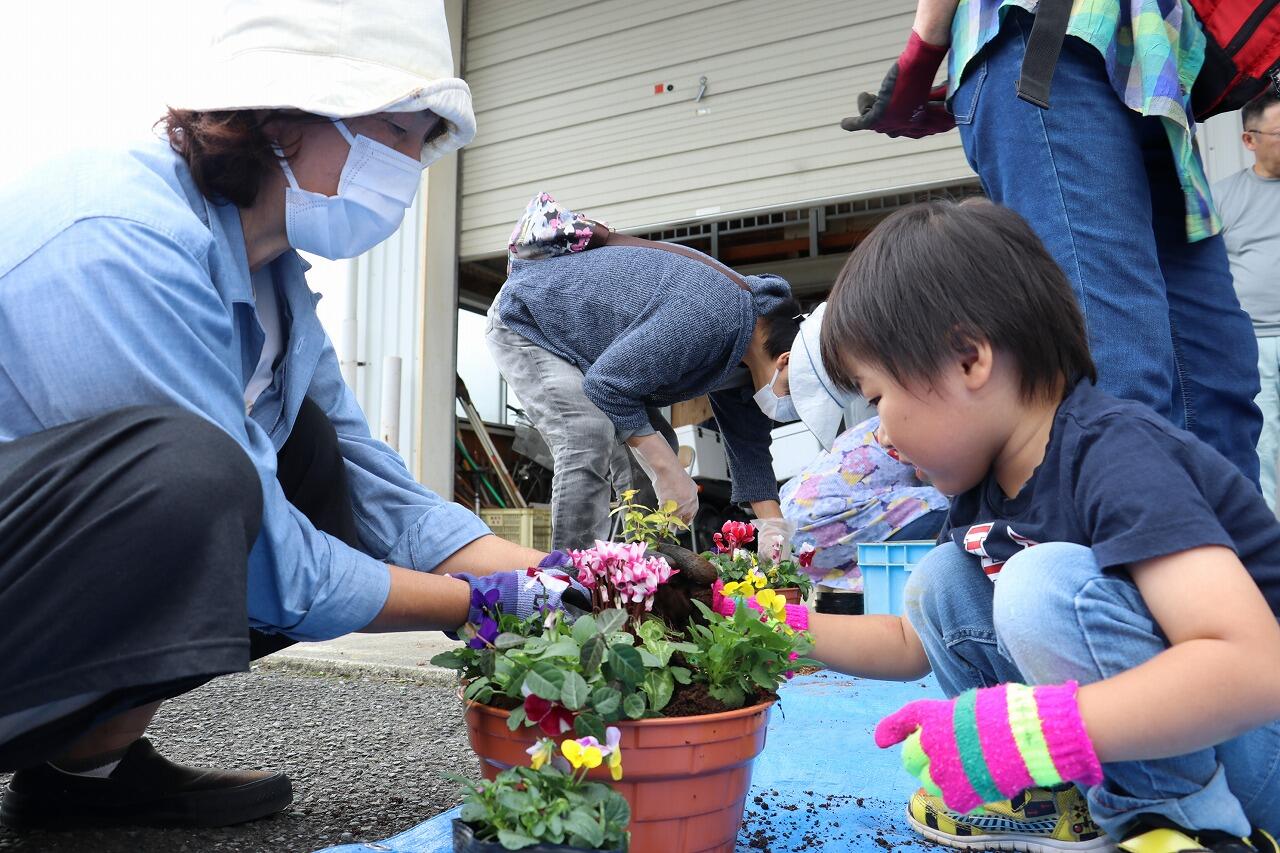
(820, 405)
(336, 58)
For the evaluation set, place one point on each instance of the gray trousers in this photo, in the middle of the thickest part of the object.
(590, 462)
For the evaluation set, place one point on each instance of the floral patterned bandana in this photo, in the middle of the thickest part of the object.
(547, 230)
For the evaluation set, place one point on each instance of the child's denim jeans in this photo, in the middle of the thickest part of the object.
(1053, 616)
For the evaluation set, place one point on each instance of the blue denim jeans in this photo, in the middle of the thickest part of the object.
(1052, 616)
(1097, 183)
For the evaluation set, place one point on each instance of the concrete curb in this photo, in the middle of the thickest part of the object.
(426, 675)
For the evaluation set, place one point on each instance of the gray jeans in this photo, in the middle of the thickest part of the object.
(590, 462)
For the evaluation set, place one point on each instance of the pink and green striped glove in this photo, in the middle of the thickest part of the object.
(989, 745)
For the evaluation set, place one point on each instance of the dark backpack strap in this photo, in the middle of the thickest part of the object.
(1043, 46)
(615, 239)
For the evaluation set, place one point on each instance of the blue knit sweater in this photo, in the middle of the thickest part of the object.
(649, 328)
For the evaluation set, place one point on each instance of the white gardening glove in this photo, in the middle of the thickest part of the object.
(670, 480)
(773, 538)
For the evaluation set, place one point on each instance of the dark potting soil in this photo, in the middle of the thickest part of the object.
(689, 700)
(693, 700)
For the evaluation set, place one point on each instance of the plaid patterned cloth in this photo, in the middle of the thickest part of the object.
(1153, 50)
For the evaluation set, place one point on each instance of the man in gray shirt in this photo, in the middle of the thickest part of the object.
(1249, 203)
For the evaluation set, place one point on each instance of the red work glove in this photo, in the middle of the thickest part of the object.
(908, 104)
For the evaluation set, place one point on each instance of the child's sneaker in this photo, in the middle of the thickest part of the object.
(1039, 820)
(1159, 835)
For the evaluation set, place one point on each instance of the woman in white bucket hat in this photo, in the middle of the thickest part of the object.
(180, 461)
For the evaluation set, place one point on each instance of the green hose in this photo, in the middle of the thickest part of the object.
(484, 479)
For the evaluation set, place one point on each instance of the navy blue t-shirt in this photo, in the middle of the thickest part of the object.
(1119, 479)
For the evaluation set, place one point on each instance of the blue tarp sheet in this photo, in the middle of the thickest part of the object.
(820, 785)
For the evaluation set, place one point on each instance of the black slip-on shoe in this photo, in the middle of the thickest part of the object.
(144, 788)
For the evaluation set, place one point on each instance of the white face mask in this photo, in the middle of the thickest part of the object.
(777, 408)
(377, 184)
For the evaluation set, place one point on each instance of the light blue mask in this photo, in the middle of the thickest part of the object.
(776, 408)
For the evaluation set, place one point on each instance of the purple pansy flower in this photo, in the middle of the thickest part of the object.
(486, 632)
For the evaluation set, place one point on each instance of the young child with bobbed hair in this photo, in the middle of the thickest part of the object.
(1102, 611)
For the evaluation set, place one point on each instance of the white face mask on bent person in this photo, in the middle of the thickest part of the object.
(776, 408)
(377, 185)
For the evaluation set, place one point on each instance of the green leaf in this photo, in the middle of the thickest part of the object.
(475, 687)
(680, 674)
(516, 719)
(651, 630)
(610, 621)
(515, 801)
(659, 685)
(583, 629)
(514, 840)
(760, 675)
(633, 706)
(591, 656)
(562, 648)
(606, 701)
(625, 664)
(545, 680)
(473, 813)
(586, 828)
(649, 659)
(448, 660)
(509, 641)
(616, 810)
(574, 692)
(589, 725)
(730, 694)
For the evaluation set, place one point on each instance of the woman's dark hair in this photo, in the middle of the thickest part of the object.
(782, 324)
(935, 278)
(229, 151)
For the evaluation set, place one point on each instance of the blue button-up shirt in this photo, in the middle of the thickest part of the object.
(120, 285)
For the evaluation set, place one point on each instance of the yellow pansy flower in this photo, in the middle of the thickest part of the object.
(615, 765)
(541, 752)
(582, 755)
(773, 603)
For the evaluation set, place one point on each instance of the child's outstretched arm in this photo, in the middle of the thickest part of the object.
(883, 647)
(1219, 678)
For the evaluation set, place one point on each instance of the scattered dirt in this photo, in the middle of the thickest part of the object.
(778, 823)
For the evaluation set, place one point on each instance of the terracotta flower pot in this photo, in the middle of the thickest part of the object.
(686, 778)
(791, 594)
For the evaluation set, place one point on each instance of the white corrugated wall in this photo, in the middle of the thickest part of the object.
(565, 103)
(1220, 146)
(388, 293)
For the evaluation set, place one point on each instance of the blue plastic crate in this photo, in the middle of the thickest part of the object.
(885, 568)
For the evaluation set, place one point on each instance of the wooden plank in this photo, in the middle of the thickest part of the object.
(693, 411)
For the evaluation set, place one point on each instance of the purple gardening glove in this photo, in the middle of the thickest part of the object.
(522, 594)
(907, 104)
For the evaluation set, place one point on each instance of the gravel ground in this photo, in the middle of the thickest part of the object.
(365, 755)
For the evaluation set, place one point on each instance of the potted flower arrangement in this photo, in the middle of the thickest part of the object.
(744, 572)
(688, 692)
(549, 807)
